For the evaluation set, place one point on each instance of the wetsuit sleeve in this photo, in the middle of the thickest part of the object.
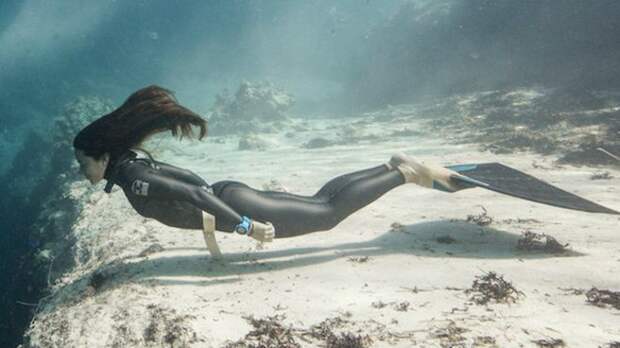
(144, 181)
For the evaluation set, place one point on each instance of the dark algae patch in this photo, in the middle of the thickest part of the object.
(451, 335)
(550, 343)
(269, 332)
(492, 287)
(538, 242)
(603, 298)
(482, 219)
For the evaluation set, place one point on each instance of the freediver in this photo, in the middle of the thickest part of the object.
(110, 148)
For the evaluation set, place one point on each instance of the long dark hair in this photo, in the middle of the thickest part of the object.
(147, 111)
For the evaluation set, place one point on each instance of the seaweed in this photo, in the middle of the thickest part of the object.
(361, 259)
(378, 304)
(492, 287)
(267, 333)
(602, 298)
(168, 329)
(348, 340)
(484, 341)
(324, 331)
(531, 241)
(601, 176)
(402, 306)
(482, 219)
(270, 333)
(451, 335)
(550, 342)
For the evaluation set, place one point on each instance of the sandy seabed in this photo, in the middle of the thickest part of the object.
(394, 274)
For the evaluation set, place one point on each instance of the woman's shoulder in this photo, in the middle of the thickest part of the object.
(127, 168)
(135, 166)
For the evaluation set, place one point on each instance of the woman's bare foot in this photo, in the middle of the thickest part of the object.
(426, 175)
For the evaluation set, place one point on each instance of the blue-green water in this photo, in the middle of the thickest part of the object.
(335, 57)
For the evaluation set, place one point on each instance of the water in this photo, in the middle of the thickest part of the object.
(547, 69)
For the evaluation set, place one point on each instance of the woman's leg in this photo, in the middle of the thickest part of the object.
(336, 184)
(328, 190)
(294, 215)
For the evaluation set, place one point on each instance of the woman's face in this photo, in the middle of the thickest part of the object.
(92, 169)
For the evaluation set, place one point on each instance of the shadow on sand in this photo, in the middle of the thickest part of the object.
(444, 239)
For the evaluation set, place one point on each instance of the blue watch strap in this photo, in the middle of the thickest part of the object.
(244, 226)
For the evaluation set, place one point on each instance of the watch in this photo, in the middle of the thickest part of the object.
(244, 226)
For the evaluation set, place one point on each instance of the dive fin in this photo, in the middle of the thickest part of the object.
(503, 179)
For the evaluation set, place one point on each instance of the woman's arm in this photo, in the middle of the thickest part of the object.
(145, 181)
(167, 188)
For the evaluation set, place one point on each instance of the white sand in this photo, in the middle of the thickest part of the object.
(311, 278)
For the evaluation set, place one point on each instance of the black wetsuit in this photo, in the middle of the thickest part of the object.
(176, 197)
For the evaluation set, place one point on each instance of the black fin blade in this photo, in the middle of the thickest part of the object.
(503, 179)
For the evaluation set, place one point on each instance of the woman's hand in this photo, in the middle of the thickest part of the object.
(262, 232)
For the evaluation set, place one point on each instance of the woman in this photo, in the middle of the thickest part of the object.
(107, 149)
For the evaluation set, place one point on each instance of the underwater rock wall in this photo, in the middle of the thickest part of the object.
(37, 214)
